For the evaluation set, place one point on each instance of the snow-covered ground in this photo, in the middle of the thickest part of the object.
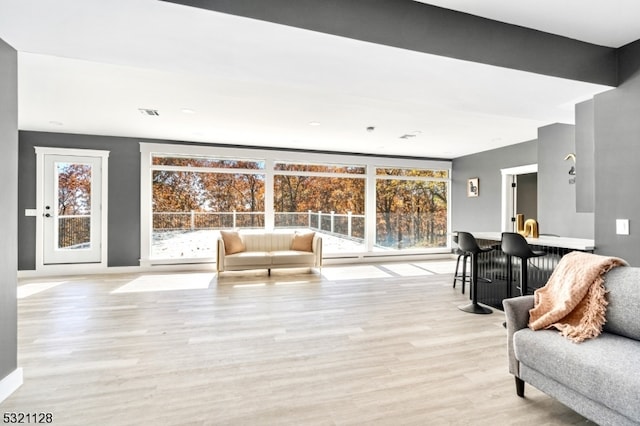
(202, 243)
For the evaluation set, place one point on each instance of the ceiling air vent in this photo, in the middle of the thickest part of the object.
(411, 135)
(407, 136)
(146, 111)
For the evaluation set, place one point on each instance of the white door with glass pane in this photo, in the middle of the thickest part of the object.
(71, 208)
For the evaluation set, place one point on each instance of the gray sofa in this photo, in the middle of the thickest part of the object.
(598, 378)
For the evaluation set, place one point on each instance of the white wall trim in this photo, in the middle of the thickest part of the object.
(508, 177)
(269, 157)
(11, 383)
(520, 170)
(245, 153)
(354, 259)
(104, 166)
(62, 272)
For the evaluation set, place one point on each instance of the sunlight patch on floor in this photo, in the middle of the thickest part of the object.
(27, 290)
(167, 282)
(406, 269)
(292, 282)
(353, 272)
(249, 285)
(438, 267)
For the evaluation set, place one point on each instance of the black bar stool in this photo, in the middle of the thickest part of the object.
(468, 244)
(462, 256)
(514, 244)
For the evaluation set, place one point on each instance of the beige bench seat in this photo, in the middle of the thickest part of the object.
(268, 250)
(282, 258)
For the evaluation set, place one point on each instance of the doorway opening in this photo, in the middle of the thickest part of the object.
(71, 212)
(519, 195)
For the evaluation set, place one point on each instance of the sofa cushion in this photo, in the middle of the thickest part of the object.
(257, 241)
(291, 257)
(281, 240)
(623, 295)
(249, 260)
(232, 242)
(303, 241)
(604, 369)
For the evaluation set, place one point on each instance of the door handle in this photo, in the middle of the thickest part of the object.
(47, 215)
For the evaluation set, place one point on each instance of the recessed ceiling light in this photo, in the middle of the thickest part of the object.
(188, 111)
(314, 123)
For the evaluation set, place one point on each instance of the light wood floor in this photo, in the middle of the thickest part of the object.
(356, 345)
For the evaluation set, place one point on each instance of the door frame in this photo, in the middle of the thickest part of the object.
(508, 196)
(40, 176)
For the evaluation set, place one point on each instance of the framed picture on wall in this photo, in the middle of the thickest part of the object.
(473, 187)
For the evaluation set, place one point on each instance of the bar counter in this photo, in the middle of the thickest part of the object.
(493, 264)
(544, 241)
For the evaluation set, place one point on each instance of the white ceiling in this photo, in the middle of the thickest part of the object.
(86, 66)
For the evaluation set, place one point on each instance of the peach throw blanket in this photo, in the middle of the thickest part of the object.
(573, 300)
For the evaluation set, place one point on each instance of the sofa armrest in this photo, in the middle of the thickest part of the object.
(316, 247)
(516, 311)
(220, 252)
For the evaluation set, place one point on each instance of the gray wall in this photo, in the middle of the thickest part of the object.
(484, 213)
(8, 217)
(585, 161)
(617, 159)
(124, 193)
(615, 131)
(556, 197)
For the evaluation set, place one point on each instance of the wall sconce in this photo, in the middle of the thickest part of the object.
(572, 170)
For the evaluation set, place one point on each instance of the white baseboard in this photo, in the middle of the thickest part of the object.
(90, 269)
(10, 384)
(372, 258)
(66, 270)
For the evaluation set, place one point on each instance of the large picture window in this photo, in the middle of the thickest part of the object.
(325, 198)
(193, 198)
(362, 206)
(411, 208)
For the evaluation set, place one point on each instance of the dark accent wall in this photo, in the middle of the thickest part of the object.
(484, 213)
(123, 186)
(124, 193)
(8, 216)
(585, 158)
(425, 28)
(556, 196)
(617, 159)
